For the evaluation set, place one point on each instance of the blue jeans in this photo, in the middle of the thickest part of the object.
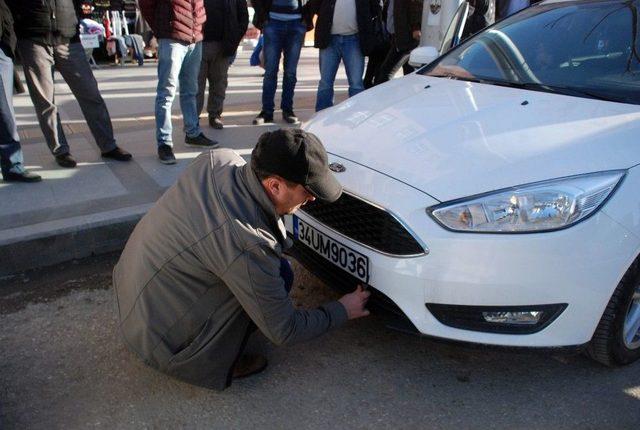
(10, 151)
(281, 37)
(178, 64)
(286, 273)
(347, 49)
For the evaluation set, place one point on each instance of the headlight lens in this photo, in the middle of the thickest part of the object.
(541, 206)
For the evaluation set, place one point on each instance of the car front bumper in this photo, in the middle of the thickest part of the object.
(578, 267)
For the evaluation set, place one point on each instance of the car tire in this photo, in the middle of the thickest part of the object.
(608, 345)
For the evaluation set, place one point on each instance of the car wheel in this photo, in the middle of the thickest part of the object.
(616, 341)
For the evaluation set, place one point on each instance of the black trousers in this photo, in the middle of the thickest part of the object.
(374, 62)
(394, 60)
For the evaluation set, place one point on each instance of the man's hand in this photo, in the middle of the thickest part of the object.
(417, 34)
(355, 302)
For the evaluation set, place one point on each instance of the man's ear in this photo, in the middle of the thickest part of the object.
(273, 185)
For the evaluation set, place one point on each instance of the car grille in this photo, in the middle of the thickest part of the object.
(366, 224)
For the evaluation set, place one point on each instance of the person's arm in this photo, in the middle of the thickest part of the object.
(311, 8)
(254, 279)
(258, 13)
(415, 18)
(6, 27)
(375, 7)
(148, 11)
(243, 16)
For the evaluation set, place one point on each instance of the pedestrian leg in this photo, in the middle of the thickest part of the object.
(218, 81)
(390, 65)
(373, 64)
(170, 56)
(38, 62)
(274, 40)
(329, 63)
(203, 74)
(10, 152)
(76, 71)
(188, 81)
(292, 47)
(353, 63)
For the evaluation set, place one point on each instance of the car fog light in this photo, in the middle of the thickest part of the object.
(497, 319)
(520, 318)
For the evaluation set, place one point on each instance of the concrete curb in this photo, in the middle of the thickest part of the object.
(53, 242)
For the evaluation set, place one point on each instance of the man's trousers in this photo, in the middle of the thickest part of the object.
(10, 151)
(213, 68)
(69, 59)
(394, 60)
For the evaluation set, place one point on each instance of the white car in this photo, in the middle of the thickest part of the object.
(493, 196)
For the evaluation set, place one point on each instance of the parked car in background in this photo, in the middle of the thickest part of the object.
(492, 196)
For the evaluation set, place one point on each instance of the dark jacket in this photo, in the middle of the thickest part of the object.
(366, 11)
(200, 266)
(407, 17)
(7, 34)
(227, 27)
(261, 14)
(45, 21)
(179, 20)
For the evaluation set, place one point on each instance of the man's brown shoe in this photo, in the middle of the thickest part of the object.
(249, 364)
(216, 122)
(118, 154)
(66, 160)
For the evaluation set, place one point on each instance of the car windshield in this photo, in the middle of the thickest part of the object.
(585, 48)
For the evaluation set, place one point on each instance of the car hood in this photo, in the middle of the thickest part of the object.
(452, 139)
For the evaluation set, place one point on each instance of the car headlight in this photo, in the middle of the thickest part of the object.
(541, 206)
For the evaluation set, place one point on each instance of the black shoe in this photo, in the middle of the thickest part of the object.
(216, 122)
(200, 141)
(66, 160)
(249, 364)
(262, 118)
(117, 154)
(165, 154)
(24, 176)
(290, 117)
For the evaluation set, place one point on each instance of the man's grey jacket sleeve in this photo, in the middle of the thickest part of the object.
(254, 278)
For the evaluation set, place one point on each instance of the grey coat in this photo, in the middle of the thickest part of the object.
(200, 266)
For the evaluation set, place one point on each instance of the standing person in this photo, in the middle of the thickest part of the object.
(379, 53)
(344, 32)
(11, 159)
(177, 24)
(227, 22)
(283, 27)
(204, 267)
(404, 20)
(48, 39)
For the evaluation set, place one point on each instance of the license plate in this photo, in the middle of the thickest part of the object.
(341, 255)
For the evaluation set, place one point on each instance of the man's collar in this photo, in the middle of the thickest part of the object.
(260, 196)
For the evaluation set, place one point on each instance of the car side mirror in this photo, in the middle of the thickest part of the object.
(422, 55)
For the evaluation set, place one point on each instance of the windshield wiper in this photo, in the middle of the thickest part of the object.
(533, 86)
(457, 77)
(567, 91)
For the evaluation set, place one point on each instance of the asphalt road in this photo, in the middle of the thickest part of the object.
(62, 365)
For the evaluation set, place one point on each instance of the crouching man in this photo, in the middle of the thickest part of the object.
(205, 263)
